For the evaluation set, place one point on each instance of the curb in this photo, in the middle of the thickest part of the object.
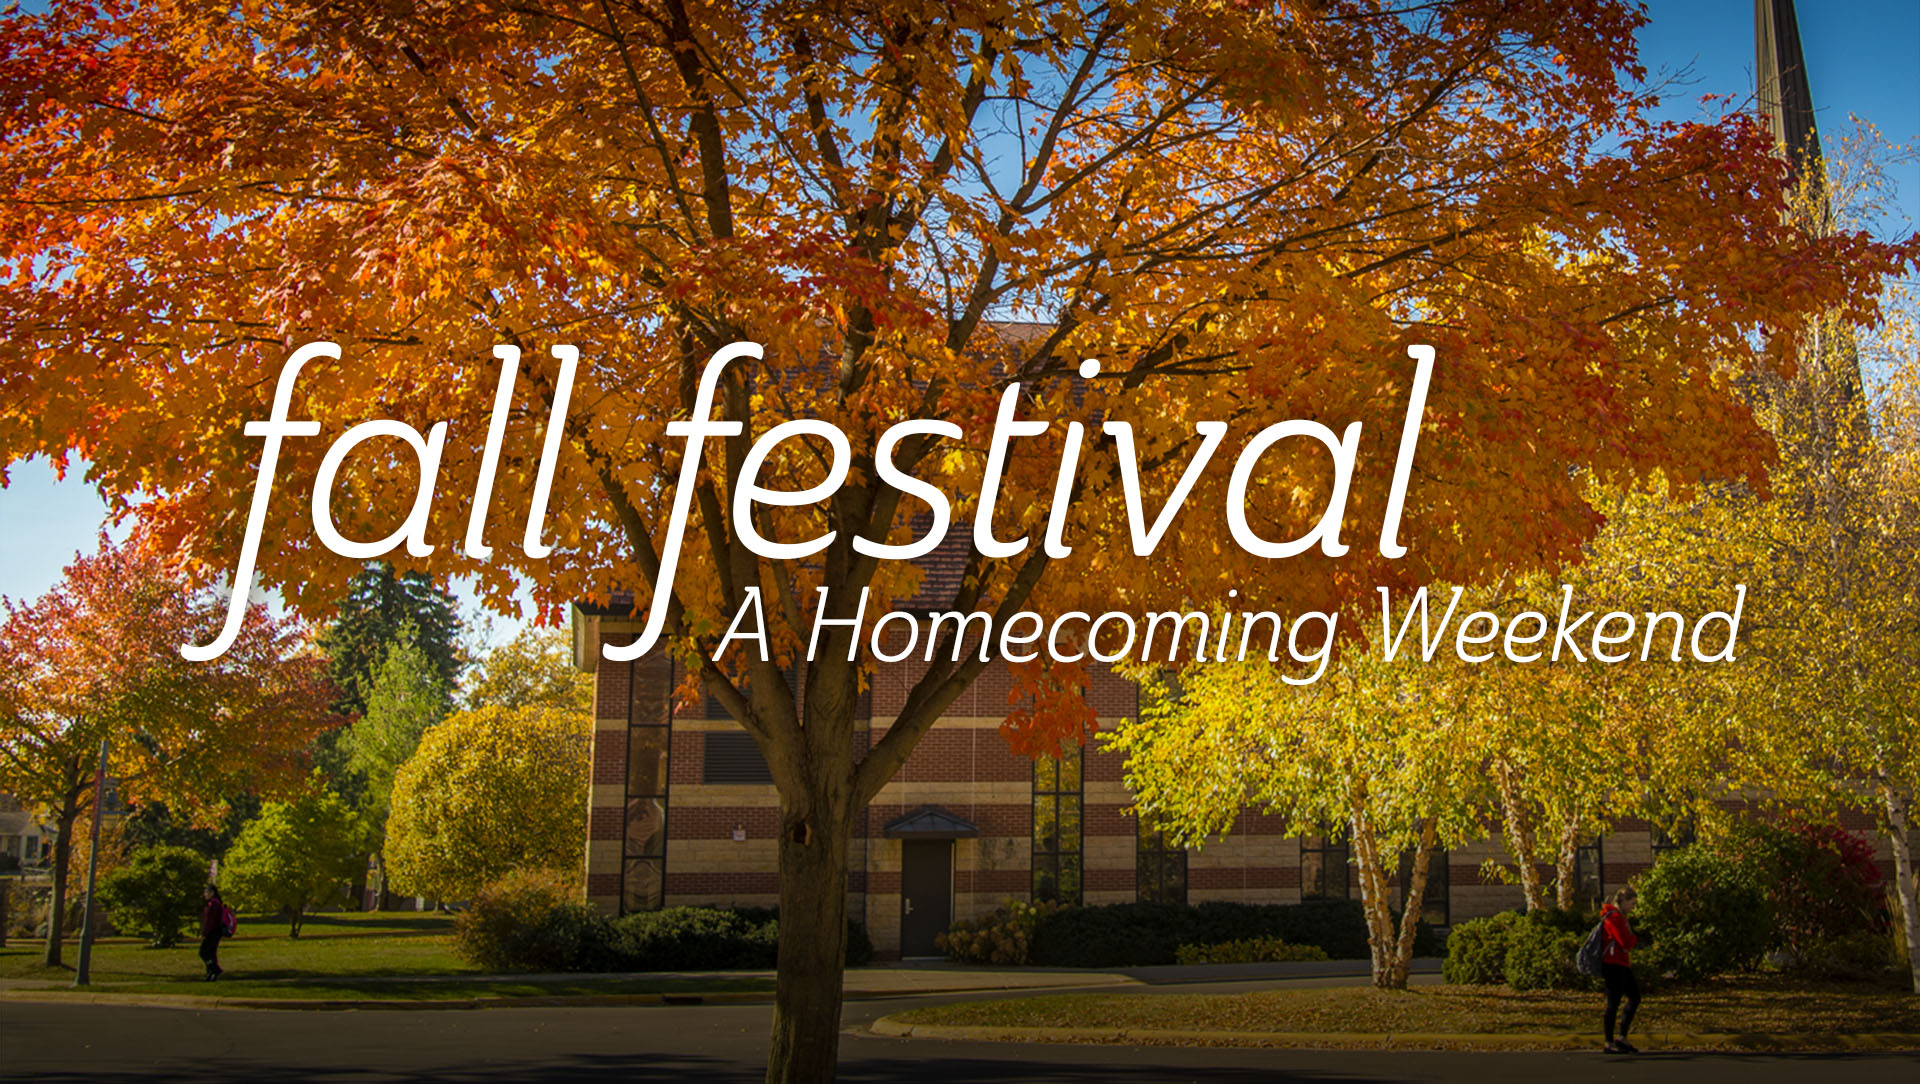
(297, 1004)
(1658, 1042)
(531, 1001)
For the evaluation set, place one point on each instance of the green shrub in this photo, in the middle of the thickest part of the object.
(1705, 913)
(1248, 951)
(156, 893)
(693, 939)
(1003, 937)
(1145, 934)
(531, 921)
(859, 945)
(1861, 954)
(1540, 956)
(1824, 889)
(1477, 950)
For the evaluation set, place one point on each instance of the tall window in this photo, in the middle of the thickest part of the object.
(1323, 867)
(1589, 873)
(1058, 784)
(649, 730)
(1160, 867)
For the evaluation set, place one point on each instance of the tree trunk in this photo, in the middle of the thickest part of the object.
(1906, 880)
(1519, 836)
(1416, 895)
(1565, 866)
(805, 1044)
(62, 852)
(1374, 900)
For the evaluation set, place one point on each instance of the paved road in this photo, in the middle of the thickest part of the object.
(723, 1044)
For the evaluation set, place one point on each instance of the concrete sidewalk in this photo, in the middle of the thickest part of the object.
(876, 981)
(908, 979)
(860, 983)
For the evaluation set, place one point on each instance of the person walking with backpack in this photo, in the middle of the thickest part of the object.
(213, 926)
(1623, 990)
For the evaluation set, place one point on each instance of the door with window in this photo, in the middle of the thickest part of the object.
(926, 894)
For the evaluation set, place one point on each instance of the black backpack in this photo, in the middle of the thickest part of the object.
(1592, 950)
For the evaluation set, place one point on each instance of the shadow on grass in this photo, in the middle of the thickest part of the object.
(342, 923)
(374, 988)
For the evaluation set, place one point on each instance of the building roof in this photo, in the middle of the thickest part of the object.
(930, 822)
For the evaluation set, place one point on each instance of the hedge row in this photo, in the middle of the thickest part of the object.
(531, 922)
(1533, 951)
(1145, 934)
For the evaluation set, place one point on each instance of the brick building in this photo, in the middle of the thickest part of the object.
(682, 812)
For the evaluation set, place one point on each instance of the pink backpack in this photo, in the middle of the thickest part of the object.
(229, 922)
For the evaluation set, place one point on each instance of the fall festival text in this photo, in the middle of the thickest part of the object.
(1023, 636)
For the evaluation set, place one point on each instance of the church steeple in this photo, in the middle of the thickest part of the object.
(1780, 70)
(1786, 103)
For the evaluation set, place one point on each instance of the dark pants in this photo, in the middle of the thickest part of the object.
(210, 952)
(1621, 985)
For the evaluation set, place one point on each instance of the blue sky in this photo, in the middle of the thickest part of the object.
(1863, 58)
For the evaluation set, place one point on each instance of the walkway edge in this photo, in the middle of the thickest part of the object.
(296, 1004)
(1860, 1042)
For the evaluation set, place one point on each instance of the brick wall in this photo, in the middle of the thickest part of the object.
(965, 767)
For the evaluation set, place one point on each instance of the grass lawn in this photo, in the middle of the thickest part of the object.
(330, 946)
(383, 955)
(1757, 1005)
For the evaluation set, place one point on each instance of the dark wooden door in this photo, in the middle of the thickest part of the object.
(926, 894)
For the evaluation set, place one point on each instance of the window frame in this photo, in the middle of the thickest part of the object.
(1581, 851)
(1053, 861)
(654, 857)
(1325, 845)
(1156, 866)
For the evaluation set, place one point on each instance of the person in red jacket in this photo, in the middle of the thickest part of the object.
(1616, 972)
(213, 926)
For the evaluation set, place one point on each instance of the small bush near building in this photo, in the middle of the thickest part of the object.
(1252, 950)
(1540, 956)
(1004, 937)
(1147, 934)
(25, 908)
(694, 939)
(1531, 951)
(156, 893)
(1477, 950)
(1706, 913)
(531, 921)
(534, 921)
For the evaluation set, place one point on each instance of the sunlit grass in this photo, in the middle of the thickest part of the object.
(1754, 1006)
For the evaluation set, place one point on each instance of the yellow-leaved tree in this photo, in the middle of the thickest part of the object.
(489, 791)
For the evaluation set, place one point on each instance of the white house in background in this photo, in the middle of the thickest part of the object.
(22, 836)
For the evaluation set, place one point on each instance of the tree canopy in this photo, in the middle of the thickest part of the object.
(1245, 212)
(381, 607)
(97, 658)
(296, 854)
(489, 791)
(534, 669)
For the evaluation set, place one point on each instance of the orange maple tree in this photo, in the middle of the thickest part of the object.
(97, 658)
(1246, 212)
